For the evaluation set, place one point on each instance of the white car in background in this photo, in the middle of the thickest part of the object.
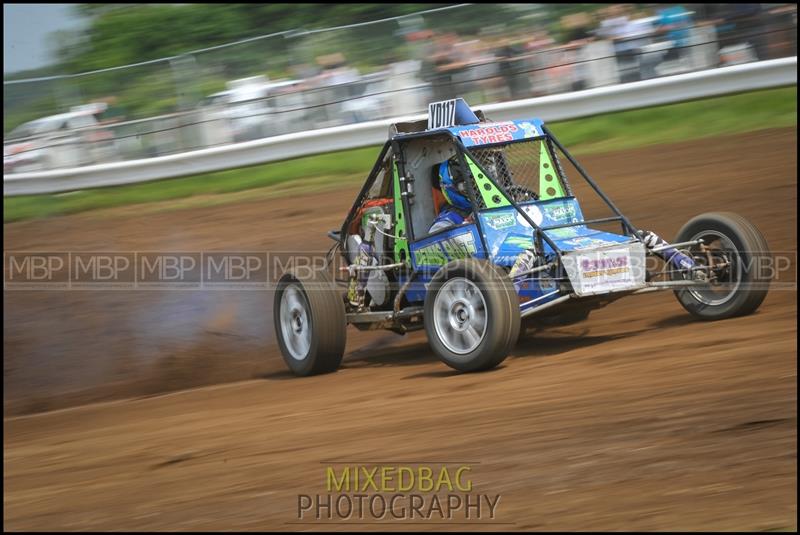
(59, 141)
(251, 108)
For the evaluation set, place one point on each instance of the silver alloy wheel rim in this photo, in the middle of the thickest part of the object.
(702, 295)
(459, 315)
(295, 322)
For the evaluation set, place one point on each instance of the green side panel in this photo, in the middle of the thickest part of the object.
(492, 197)
(549, 185)
(401, 237)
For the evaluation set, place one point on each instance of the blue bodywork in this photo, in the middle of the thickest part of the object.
(507, 235)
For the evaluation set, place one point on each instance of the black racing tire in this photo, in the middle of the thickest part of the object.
(314, 303)
(486, 297)
(514, 302)
(749, 256)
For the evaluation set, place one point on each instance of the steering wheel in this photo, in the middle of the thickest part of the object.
(522, 194)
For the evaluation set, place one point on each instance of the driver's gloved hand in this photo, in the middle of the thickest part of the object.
(651, 239)
(525, 262)
(669, 254)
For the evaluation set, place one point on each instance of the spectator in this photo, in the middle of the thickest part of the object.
(537, 47)
(539, 40)
(336, 72)
(737, 26)
(674, 23)
(640, 34)
(782, 31)
(577, 27)
(614, 22)
(442, 66)
(630, 35)
(509, 65)
(335, 84)
(578, 35)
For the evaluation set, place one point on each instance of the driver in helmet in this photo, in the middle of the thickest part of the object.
(458, 209)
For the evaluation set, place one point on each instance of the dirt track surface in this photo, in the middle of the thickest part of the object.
(639, 418)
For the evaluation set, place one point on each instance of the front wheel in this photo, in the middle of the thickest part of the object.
(471, 315)
(310, 323)
(735, 257)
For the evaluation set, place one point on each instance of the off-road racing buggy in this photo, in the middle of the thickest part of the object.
(466, 285)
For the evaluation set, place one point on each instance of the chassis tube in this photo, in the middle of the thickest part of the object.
(591, 182)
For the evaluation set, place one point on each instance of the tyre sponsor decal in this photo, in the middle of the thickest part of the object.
(500, 221)
(561, 213)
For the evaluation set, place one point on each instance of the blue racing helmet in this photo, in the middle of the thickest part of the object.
(449, 188)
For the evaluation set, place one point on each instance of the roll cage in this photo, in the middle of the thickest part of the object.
(403, 191)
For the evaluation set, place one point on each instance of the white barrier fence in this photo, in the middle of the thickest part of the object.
(751, 76)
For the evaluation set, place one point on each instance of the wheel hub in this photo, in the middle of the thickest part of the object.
(295, 325)
(460, 315)
(718, 255)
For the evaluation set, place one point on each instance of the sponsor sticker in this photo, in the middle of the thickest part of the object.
(606, 270)
(529, 129)
(494, 133)
(453, 248)
(586, 243)
(500, 221)
(561, 213)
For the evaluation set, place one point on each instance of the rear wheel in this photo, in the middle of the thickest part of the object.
(310, 323)
(736, 256)
(471, 315)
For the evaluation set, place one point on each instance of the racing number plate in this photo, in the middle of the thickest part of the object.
(607, 269)
(441, 114)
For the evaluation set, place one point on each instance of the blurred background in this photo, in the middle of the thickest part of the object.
(130, 81)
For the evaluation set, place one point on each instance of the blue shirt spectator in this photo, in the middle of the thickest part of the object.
(677, 21)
